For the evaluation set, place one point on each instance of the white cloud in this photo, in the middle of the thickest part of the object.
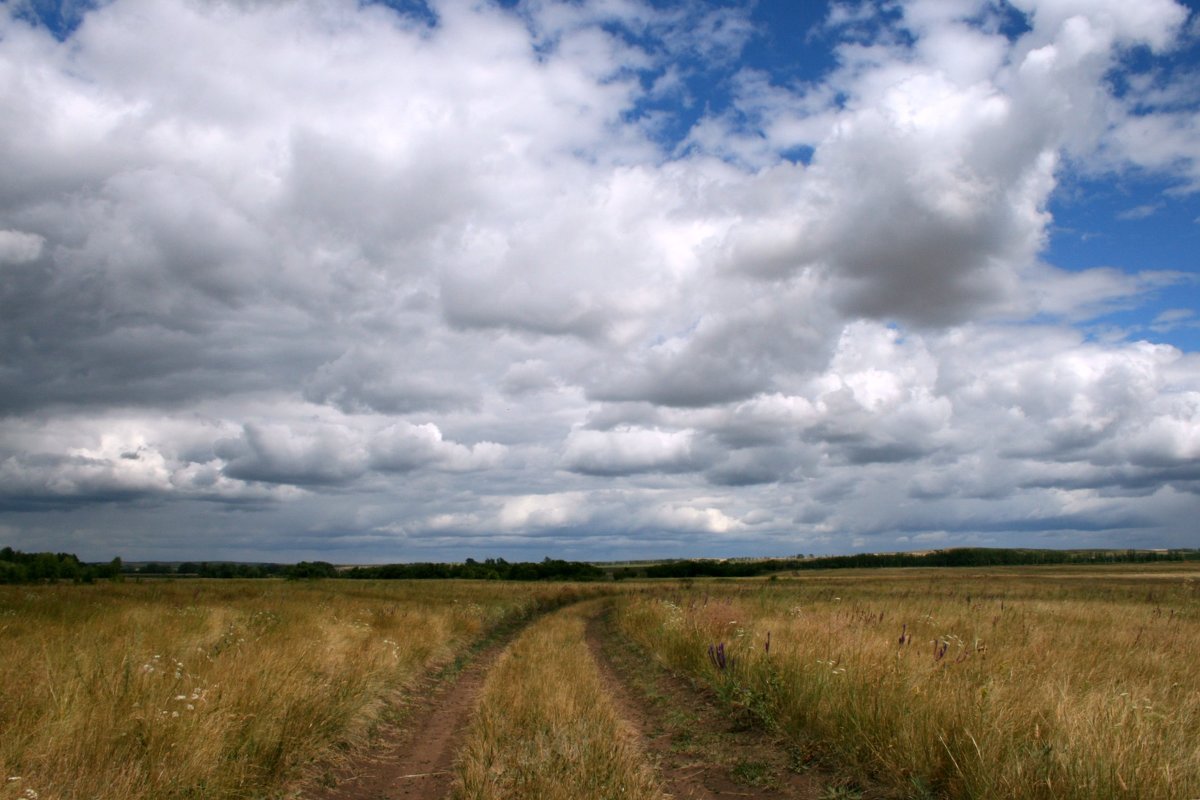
(690, 518)
(370, 276)
(629, 450)
(403, 446)
(1140, 212)
(17, 247)
(556, 510)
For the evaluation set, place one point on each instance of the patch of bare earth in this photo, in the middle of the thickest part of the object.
(414, 760)
(700, 749)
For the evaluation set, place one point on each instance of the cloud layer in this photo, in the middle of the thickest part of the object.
(326, 278)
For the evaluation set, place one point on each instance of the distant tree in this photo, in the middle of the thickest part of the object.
(311, 569)
(112, 570)
(12, 572)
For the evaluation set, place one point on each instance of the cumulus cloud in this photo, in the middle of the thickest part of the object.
(630, 450)
(406, 284)
(403, 446)
(17, 247)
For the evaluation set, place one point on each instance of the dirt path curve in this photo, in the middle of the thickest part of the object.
(700, 751)
(417, 763)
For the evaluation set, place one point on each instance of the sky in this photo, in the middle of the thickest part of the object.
(605, 279)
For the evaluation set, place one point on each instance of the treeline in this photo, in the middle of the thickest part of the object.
(214, 569)
(957, 557)
(18, 567)
(494, 569)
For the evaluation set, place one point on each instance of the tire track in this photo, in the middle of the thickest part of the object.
(417, 763)
(700, 751)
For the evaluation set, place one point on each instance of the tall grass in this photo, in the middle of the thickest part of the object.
(546, 727)
(1001, 684)
(197, 689)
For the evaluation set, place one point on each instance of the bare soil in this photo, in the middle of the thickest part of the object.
(700, 749)
(415, 759)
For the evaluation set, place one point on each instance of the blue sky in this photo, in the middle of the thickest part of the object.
(600, 279)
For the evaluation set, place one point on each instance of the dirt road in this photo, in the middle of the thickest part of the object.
(698, 748)
(417, 763)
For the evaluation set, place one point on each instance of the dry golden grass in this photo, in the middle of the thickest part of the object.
(1013, 683)
(546, 727)
(204, 689)
(1054, 683)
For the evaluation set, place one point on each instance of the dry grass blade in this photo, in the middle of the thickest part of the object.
(546, 727)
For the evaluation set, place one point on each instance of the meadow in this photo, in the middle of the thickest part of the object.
(1001, 683)
(1050, 682)
(219, 689)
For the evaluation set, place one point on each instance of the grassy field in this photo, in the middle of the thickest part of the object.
(1005, 683)
(1002, 683)
(216, 689)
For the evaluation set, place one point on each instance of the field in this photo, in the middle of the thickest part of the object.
(205, 689)
(919, 683)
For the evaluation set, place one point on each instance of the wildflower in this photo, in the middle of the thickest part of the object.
(716, 654)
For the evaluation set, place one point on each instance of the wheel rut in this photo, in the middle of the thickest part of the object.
(700, 751)
(417, 762)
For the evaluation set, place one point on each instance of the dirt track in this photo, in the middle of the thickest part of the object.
(700, 751)
(418, 763)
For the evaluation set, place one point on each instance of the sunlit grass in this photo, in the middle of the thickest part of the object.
(215, 689)
(1007, 684)
(546, 727)
(1052, 683)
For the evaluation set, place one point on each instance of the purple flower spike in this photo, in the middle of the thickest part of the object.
(767, 646)
(716, 654)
